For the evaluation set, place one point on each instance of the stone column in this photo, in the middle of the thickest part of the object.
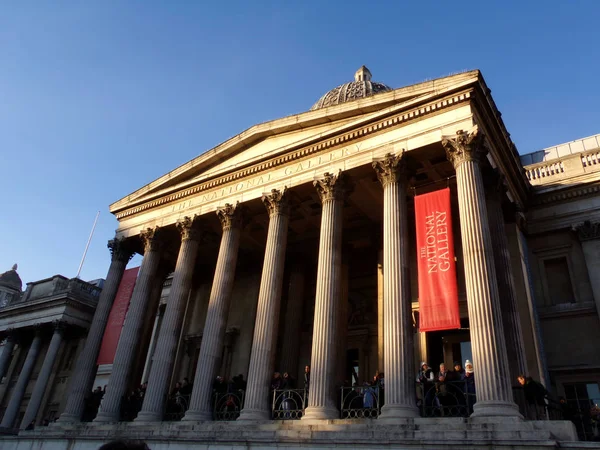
(321, 395)
(7, 349)
(290, 346)
(342, 328)
(494, 392)
(398, 332)
(513, 335)
(380, 332)
(42, 380)
(589, 236)
(14, 404)
(132, 327)
(216, 318)
(262, 359)
(168, 336)
(85, 369)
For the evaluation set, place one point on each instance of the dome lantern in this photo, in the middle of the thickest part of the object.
(361, 87)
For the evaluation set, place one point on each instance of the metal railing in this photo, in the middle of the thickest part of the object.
(289, 404)
(177, 406)
(445, 399)
(360, 402)
(227, 405)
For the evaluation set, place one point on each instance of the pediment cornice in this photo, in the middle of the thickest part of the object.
(378, 122)
(362, 111)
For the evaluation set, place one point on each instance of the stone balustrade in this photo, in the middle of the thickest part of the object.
(556, 171)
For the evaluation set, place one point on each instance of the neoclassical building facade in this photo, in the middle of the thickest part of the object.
(293, 244)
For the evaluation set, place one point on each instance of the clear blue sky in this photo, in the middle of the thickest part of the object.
(99, 98)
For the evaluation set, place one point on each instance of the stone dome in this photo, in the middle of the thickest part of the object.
(11, 279)
(361, 87)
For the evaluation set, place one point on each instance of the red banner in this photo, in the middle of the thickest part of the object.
(116, 318)
(438, 292)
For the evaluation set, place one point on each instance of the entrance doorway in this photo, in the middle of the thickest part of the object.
(448, 346)
(352, 366)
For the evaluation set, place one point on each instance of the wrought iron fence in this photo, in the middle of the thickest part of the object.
(177, 405)
(445, 399)
(227, 405)
(360, 402)
(289, 404)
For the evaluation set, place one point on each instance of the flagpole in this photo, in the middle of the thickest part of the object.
(87, 245)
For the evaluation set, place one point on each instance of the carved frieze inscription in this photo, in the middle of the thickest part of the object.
(278, 174)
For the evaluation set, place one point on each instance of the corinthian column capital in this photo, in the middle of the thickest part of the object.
(230, 216)
(119, 250)
(189, 229)
(277, 202)
(331, 187)
(391, 169)
(151, 243)
(465, 146)
(587, 230)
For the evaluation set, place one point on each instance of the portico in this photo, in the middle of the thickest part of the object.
(337, 183)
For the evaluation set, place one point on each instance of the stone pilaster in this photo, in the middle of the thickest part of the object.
(398, 333)
(216, 318)
(85, 369)
(42, 380)
(128, 345)
(513, 335)
(290, 346)
(7, 349)
(256, 404)
(589, 236)
(16, 397)
(321, 396)
(494, 392)
(168, 337)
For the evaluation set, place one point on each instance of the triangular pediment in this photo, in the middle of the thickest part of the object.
(275, 138)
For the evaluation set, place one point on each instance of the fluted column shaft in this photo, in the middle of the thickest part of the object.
(128, 345)
(14, 404)
(494, 392)
(168, 336)
(41, 383)
(7, 350)
(262, 357)
(398, 344)
(513, 335)
(321, 395)
(85, 368)
(290, 346)
(216, 318)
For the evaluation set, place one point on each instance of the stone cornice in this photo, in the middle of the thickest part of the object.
(566, 194)
(359, 112)
(501, 147)
(316, 148)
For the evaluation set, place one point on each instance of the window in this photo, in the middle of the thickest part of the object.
(560, 288)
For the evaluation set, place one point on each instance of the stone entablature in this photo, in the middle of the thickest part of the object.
(56, 298)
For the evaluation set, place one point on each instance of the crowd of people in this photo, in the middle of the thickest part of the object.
(437, 392)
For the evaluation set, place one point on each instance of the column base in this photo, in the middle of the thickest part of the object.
(106, 417)
(496, 409)
(254, 414)
(395, 412)
(148, 416)
(68, 418)
(197, 416)
(320, 413)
